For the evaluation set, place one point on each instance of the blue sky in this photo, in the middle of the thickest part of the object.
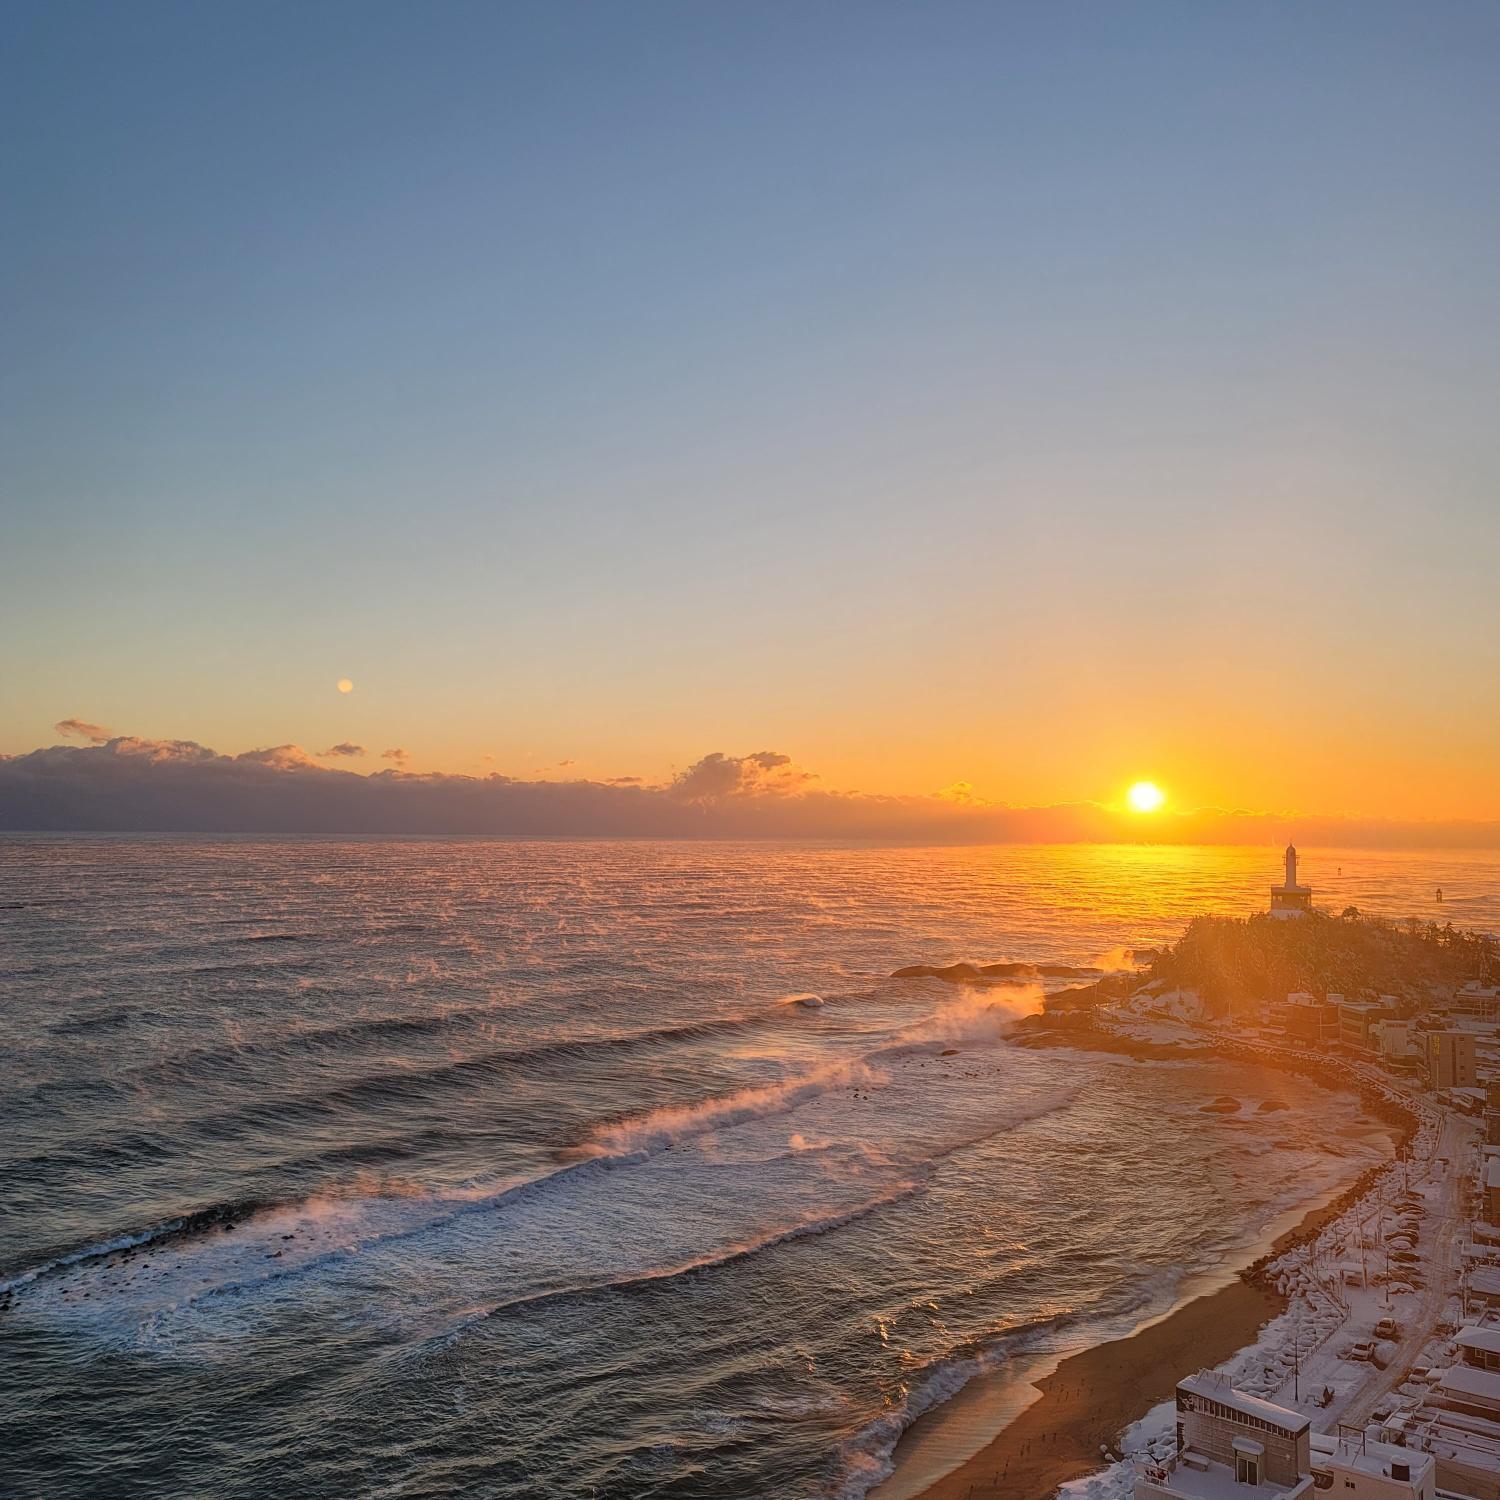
(899, 386)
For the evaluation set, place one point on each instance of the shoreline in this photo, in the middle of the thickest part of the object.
(1060, 1418)
(1058, 1414)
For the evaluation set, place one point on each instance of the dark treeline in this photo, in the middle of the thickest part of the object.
(1230, 960)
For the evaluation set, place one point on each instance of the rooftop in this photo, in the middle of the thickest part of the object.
(1479, 1338)
(1465, 1383)
(1485, 1281)
(1367, 1457)
(1214, 1386)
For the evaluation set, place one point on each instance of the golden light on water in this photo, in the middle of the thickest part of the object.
(345, 686)
(1145, 797)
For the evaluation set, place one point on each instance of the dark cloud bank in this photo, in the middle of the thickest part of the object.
(126, 784)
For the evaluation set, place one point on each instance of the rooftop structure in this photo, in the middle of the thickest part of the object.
(1290, 899)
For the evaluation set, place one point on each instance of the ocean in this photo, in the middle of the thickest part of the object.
(609, 1170)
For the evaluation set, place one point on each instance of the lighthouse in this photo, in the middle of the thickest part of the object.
(1291, 899)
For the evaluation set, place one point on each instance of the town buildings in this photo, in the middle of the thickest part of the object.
(1231, 1445)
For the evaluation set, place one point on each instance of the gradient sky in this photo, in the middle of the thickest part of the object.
(1039, 395)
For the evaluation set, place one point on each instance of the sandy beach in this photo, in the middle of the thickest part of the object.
(1089, 1397)
(1092, 1395)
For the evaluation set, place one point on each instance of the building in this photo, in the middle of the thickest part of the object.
(1231, 1446)
(1451, 1060)
(1458, 1421)
(1358, 1468)
(1479, 1000)
(1393, 1039)
(1357, 1022)
(1306, 1019)
(1492, 1114)
(1290, 899)
(1479, 1347)
(1228, 1442)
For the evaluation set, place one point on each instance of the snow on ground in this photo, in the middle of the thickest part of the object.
(1373, 1289)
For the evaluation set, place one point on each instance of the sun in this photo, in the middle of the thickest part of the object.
(1145, 797)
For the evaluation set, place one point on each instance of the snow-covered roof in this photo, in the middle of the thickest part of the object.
(1214, 1386)
(1365, 1456)
(1485, 1280)
(1469, 1384)
(1479, 1338)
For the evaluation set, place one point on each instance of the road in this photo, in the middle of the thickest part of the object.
(1441, 1233)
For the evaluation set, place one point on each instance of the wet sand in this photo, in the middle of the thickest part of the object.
(1087, 1399)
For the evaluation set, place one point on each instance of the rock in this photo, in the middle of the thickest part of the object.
(961, 973)
(953, 973)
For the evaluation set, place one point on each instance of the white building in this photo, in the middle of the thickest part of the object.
(1358, 1468)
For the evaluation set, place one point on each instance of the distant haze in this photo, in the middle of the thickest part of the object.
(138, 785)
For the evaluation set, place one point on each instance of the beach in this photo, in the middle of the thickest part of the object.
(1093, 1395)
(1085, 1400)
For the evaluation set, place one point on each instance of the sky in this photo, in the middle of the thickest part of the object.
(1024, 398)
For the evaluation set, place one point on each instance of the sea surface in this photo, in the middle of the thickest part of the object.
(610, 1170)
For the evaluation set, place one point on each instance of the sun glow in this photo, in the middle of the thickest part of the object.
(1145, 797)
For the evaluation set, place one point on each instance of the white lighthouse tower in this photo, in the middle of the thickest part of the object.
(1291, 899)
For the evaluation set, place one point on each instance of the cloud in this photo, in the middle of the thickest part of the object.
(282, 757)
(130, 784)
(81, 729)
(716, 776)
(963, 793)
(396, 754)
(343, 750)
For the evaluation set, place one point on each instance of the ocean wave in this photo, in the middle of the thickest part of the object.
(192, 1222)
(104, 1020)
(206, 1064)
(803, 1229)
(867, 1457)
(254, 1241)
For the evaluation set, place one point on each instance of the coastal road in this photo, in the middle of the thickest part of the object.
(1441, 1232)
